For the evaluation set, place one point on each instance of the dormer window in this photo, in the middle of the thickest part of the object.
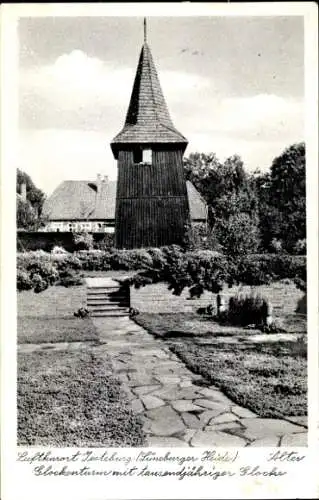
(147, 156)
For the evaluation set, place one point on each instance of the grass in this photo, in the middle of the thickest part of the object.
(71, 399)
(268, 378)
(48, 316)
(55, 302)
(186, 325)
(48, 329)
(68, 397)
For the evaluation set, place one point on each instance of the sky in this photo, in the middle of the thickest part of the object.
(233, 85)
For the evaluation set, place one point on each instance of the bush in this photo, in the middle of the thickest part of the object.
(58, 250)
(300, 247)
(38, 283)
(70, 280)
(106, 243)
(24, 281)
(238, 235)
(201, 237)
(248, 310)
(199, 270)
(83, 241)
(263, 269)
(276, 245)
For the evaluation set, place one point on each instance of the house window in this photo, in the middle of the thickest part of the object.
(147, 156)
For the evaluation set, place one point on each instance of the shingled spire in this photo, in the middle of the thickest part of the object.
(148, 119)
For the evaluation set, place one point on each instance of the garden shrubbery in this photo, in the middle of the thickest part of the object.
(246, 310)
(198, 270)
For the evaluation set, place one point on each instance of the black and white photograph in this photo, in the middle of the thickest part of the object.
(161, 232)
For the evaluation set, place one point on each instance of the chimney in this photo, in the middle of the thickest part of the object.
(23, 191)
(98, 182)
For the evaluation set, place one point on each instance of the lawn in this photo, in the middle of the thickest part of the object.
(269, 378)
(49, 329)
(56, 302)
(186, 325)
(71, 399)
(48, 316)
(68, 397)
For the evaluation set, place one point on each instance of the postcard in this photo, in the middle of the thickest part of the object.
(160, 250)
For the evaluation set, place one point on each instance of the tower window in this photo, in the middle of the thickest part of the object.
(137, 155)
(147, 156)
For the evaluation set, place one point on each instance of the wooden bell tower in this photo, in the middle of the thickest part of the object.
(151, 201)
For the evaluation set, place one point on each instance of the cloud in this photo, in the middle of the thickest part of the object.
(51, 156)
(260, 114)
(71, 110)
(87, 85)
(260, 117)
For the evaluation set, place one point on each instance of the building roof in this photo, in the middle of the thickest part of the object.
(148, 120)
(197, 204)
(81, 200)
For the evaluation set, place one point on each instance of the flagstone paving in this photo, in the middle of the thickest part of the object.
(176, 410)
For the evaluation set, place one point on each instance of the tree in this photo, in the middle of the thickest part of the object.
(29, 210)
(26, 216)
(282, 198)
(35, 196)
(238, 234)
(231, 196)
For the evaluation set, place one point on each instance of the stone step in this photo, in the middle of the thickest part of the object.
(108, 314)
(108, 307)
(107, 299)
(109, 289)
(106, 295)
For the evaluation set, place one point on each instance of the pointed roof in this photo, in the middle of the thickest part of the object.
(148, 120)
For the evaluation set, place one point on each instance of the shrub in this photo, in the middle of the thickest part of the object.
(58, 250)
(45, 269)
(238, 235)
(24, 281)
(200, 237)
(106, 243)
(81, 313)
(247, 310)
(263, 269)
(276, 245)
(83, 241)
(300, 247)
(38, 283)
(70, 280)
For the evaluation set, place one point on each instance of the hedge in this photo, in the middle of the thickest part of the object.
(199, 270)
(32, 241)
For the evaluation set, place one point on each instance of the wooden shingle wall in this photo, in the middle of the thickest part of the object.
(152, 205)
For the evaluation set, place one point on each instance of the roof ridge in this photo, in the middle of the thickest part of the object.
(172, 129)
(151, 81)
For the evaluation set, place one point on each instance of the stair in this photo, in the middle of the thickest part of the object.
(105, 298)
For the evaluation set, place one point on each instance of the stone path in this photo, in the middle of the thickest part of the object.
(176, 409)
